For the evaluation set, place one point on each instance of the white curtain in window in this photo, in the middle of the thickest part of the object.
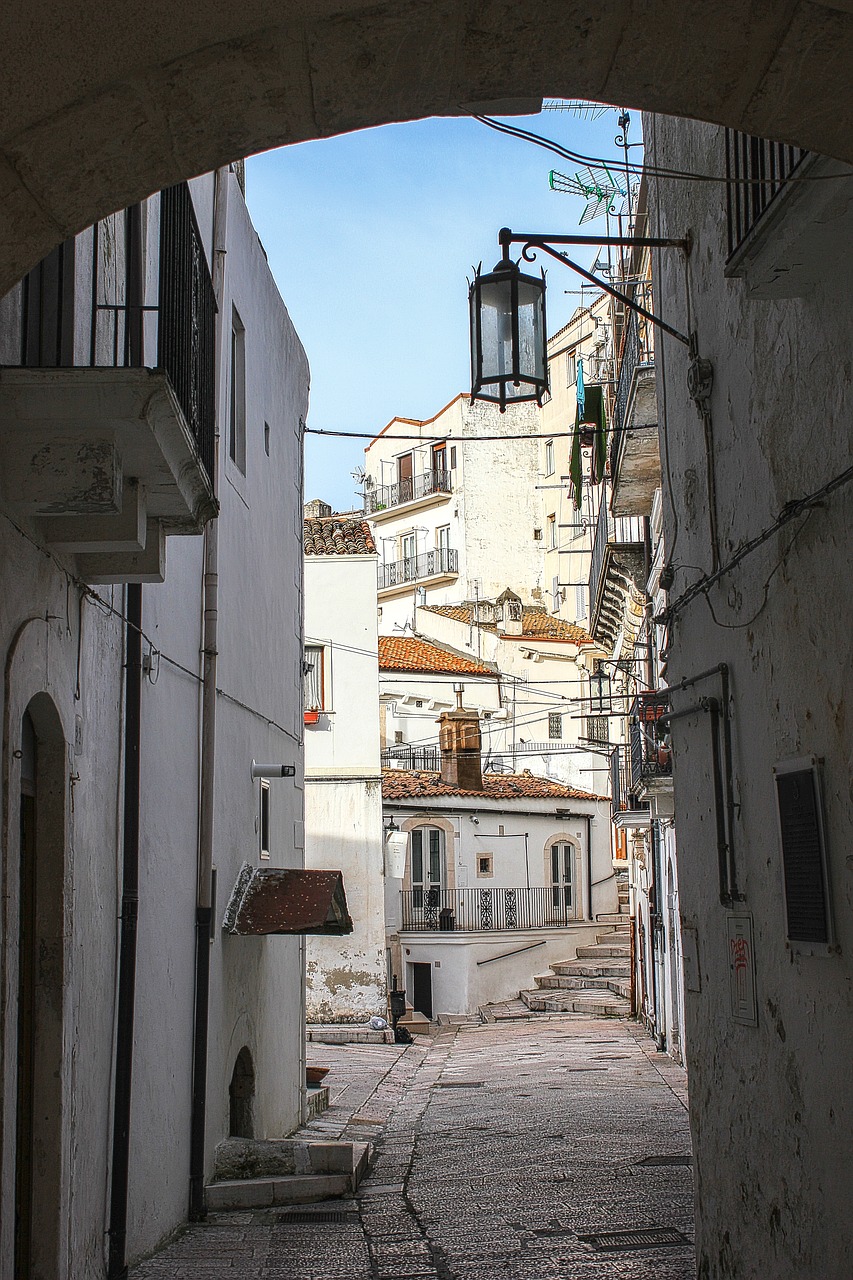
(312, 681)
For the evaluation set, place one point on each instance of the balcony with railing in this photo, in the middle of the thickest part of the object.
(628, 809)
(757, 171)
(108, 419)
(650, 753)
(486, 910)
(618, 557)
(422, 489)
(634, 452)
(438, 565)
(404, 756)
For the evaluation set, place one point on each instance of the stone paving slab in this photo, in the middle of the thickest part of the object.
(497, 1147)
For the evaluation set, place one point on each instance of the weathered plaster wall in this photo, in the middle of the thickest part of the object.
(770, 1103)
(343, 792)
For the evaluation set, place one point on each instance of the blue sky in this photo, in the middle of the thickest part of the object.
(371, 236)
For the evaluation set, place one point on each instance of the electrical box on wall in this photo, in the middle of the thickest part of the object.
(808, 907)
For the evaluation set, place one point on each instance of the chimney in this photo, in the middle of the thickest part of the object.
(508, 613)
(459, 737)
(315, 509)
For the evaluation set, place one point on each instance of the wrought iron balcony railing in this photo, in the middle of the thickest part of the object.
(394, 495)
(757, 170)
(415, 568)
(612, 534)
(487, 910)
(651, 757)
(107, 299)
(637, 353)
(623, 797)
(404, 756)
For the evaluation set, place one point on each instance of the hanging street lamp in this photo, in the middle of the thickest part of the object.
(508, 357)
(600, 700)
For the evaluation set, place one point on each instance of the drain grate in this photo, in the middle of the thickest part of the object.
(316, 1216)
(461, 1084)
(643, 1238)
(668, 1162)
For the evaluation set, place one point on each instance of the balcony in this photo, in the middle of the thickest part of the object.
(486, 910)
(108, 420)
(784, 234)
(416, 492)
(403, 756)
(650, 755)
(634, 449)
(617, 566)
(441, 565)
(628, 809)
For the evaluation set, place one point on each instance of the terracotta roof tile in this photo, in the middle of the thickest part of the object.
(536, 623)
(337, 536)
(406, 784)
(409, 653)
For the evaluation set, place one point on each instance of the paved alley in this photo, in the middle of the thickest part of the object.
(516, 1150)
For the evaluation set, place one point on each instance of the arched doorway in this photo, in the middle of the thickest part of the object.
(38, 1116)
(150, 104)
(241, 1097)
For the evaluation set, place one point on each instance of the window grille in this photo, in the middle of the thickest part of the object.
(555, 725)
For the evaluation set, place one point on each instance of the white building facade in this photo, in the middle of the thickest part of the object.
(346, 977)
(151, 376)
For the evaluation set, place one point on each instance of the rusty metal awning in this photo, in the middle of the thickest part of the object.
(270, 900)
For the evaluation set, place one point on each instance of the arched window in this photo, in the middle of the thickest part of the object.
(562, 877)
(241, 1097)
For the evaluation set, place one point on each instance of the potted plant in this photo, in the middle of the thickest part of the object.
(312, 715)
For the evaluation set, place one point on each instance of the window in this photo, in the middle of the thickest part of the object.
(427, 866)
(552, 532)
(453, 457)
(556, 594)
(313, 683)
(264, 819)
(571, 369)
(598, 729)
(581, 595)
(237, 413)
(267, 439)
(442, 538)
(439, 460)
(537, 535)
(555, 724)
(408, 550)
(549, 457)
(484, 864)
(562, 865)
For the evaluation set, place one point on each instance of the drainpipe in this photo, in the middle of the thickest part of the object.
(117, 1264)
(204, 875)
(588, 818)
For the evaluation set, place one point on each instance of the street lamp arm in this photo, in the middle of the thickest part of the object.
(534, 244)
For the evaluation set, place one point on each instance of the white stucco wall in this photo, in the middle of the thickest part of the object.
(76, 658)
(343, 793)
(770, 1120)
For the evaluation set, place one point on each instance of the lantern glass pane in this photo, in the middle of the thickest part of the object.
(496, 331)
(531, 330)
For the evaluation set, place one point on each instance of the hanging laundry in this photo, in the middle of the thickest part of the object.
(591, 412)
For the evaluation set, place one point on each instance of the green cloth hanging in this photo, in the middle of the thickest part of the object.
(575, 469)
(595, 415)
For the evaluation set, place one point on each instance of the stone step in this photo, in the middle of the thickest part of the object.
(580, 982)
(258, 1174)
(592, 969)
(417, 1024)
(620, 936)
(614, 918)
(599, 1004)
(602, 950)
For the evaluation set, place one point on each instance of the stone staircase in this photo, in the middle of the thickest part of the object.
(596, 982)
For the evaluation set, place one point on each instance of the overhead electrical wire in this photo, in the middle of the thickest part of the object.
(656, 171)
(540, 435)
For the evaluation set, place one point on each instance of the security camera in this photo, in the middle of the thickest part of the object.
(476, 821)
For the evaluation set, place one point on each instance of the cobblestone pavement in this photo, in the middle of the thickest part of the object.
(498, 1148)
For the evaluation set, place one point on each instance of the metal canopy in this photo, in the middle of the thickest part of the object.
(267, 900)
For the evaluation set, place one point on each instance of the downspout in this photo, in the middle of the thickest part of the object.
(588, 818)
(117, 1264)
(204, 874)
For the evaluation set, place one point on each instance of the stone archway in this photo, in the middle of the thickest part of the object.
(105, 104)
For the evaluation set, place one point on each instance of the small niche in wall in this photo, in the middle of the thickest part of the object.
(485, 865)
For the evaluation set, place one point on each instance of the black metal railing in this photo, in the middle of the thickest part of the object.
(413, 568)
(393, 495)
(403, 756)
(484, 910)
(610, 531)
(651, 756)
(757, 170)
(143, 307)
(637, 352)
(623, 797)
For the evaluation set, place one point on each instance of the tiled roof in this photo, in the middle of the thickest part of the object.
(337, 536)
(410, 784)
(408, 653)
(536, 623)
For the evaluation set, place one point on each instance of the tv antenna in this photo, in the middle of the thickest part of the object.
(595, 183)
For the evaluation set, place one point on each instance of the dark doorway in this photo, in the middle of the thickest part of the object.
(241, 1095)
(38, 1110)
(422, 989)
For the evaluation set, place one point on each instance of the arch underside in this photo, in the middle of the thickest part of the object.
(106, 103)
